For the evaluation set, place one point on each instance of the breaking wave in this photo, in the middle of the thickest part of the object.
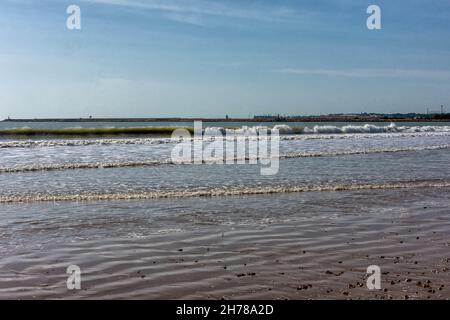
(167, 131)
(327, 129)
(80, 132)
(287, 133)
(219, 191)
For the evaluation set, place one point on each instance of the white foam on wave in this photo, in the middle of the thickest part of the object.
(369, 128)
(155, 162)
(284, 129)
(220, 191)
(82, 142)
(287, 133)
(249, 130)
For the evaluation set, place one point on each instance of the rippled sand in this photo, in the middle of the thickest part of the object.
(294, 246)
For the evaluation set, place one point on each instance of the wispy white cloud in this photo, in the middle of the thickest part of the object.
(368, 73)
(190, 11)
(192, 19)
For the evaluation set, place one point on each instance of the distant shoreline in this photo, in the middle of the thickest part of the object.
(444, 118)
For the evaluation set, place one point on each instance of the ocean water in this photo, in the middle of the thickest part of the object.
(104, 168)
(312, 156)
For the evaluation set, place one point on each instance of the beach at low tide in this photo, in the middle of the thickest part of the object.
(295, 246)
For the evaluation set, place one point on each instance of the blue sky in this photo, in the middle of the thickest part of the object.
(138, 58)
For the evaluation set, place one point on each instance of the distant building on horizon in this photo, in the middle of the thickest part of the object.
(269, 117)
(434, 112)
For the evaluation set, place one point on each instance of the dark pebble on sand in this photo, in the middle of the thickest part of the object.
(304, 287)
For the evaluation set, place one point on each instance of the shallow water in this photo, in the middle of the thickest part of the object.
(375, 156)
(78, 168)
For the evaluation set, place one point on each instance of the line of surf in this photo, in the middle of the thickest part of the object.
(152, 163)
(282, 129)
(159, 141)
(218, 191)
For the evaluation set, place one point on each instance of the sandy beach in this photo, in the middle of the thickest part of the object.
(296, 253)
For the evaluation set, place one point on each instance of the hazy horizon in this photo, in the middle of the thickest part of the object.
(250, 117)
(195, 58)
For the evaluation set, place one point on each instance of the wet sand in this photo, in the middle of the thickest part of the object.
(319, 255)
